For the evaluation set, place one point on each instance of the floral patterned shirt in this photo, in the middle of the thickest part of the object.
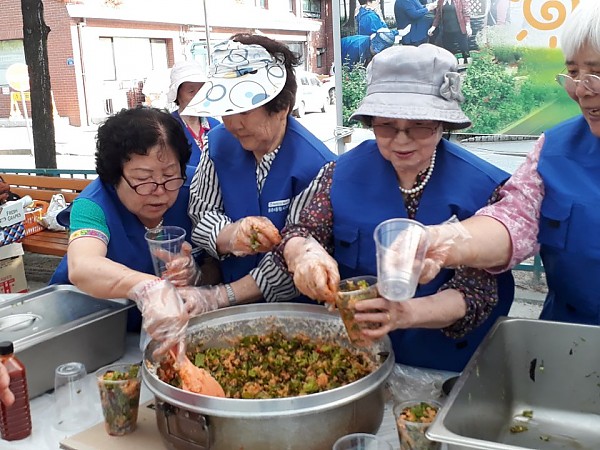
(518, 208)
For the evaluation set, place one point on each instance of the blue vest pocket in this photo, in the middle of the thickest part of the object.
(345, 241)
(583, 230)
(554, 222)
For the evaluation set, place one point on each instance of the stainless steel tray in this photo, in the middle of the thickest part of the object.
(544, 376)
(58, 324)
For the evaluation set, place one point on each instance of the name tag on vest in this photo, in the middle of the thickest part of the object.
(279, 205)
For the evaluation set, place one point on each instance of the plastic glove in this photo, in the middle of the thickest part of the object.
(182, 269)
(253, 234)
(431, 6)
(444, 245)
(430, 31)
(165, 317)
(469, 30)
(316, 273)
(199, 300)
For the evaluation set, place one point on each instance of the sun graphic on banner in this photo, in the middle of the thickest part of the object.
(552, 12)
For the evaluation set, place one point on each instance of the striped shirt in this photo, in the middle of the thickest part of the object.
(207, 212)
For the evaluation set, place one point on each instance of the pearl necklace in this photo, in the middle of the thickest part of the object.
(421, 186)
(154, 228)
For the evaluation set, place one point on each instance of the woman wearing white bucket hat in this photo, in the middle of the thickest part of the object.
(187, 77)
(407, 171)
(251, 179)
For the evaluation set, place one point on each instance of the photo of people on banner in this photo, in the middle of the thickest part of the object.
(508, 54)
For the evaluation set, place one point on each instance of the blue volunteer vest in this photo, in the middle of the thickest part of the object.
(195, 158)
(569, 231)
(365, 192)
(127, 245)
(298, 161)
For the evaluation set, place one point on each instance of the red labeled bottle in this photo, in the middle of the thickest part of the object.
(15, 420)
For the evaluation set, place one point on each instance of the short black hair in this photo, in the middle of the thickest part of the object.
(286, 99)
(135, 131)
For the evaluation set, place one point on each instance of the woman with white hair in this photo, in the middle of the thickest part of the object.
(187, 77)
(552, 202)
(409, 170)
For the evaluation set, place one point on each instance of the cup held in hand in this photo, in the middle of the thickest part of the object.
(164, 243)
(351, 291)
(401, 246)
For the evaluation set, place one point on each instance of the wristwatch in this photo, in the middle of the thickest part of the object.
(230, 295)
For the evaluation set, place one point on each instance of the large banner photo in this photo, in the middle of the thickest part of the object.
(508, 60)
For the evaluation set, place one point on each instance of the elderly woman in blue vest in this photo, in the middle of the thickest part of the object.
(141, 157)
(187, 77)
(251, 179)
(368, 20)
(408, 171)
(552, 202)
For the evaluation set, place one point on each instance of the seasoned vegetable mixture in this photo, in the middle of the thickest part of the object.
(350, 292)
(274, 366)
(412, 422)
(119, 396)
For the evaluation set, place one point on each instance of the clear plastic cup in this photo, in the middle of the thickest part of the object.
(361, 441)
(412, 420)
(119, 386)
(72, 397)
(350, 291)
(401, 245)
(164, 243)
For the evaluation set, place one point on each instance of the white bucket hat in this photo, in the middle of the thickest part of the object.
(414, 83)
(241, 78)
(191, 71)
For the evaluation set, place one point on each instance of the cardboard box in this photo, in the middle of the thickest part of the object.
(12, 270)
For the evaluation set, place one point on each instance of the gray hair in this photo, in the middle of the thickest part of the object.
(582, 28)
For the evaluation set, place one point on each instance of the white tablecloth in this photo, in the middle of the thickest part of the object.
(44, 435)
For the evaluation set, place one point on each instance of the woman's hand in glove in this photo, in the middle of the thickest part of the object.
(430, 31)
(180, 268)
(251, 235)
(199, 300)
(315, 272)
(444, 247)
(165, 316)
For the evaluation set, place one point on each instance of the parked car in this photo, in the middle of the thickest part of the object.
(311, 95)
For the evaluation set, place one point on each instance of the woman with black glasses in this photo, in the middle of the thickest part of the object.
(409, 171)
(141, 157)
(551, 204)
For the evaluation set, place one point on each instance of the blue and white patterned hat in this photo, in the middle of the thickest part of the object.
(241, 78)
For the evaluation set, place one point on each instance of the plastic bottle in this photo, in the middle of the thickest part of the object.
(15, 420)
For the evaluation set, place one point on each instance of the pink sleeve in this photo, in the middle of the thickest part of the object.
(519, 207)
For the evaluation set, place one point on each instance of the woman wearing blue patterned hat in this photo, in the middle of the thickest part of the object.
(251, 179)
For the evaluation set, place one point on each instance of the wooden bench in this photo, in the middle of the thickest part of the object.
(43, 188)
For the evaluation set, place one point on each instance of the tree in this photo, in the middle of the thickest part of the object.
(35, 44)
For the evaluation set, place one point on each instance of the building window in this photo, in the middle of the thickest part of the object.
(264, 4)
(320, 53)
(292, 4)
(311, 9)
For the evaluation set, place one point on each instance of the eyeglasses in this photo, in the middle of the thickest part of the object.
(390, 132)
(590, 82)
(148, 188)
